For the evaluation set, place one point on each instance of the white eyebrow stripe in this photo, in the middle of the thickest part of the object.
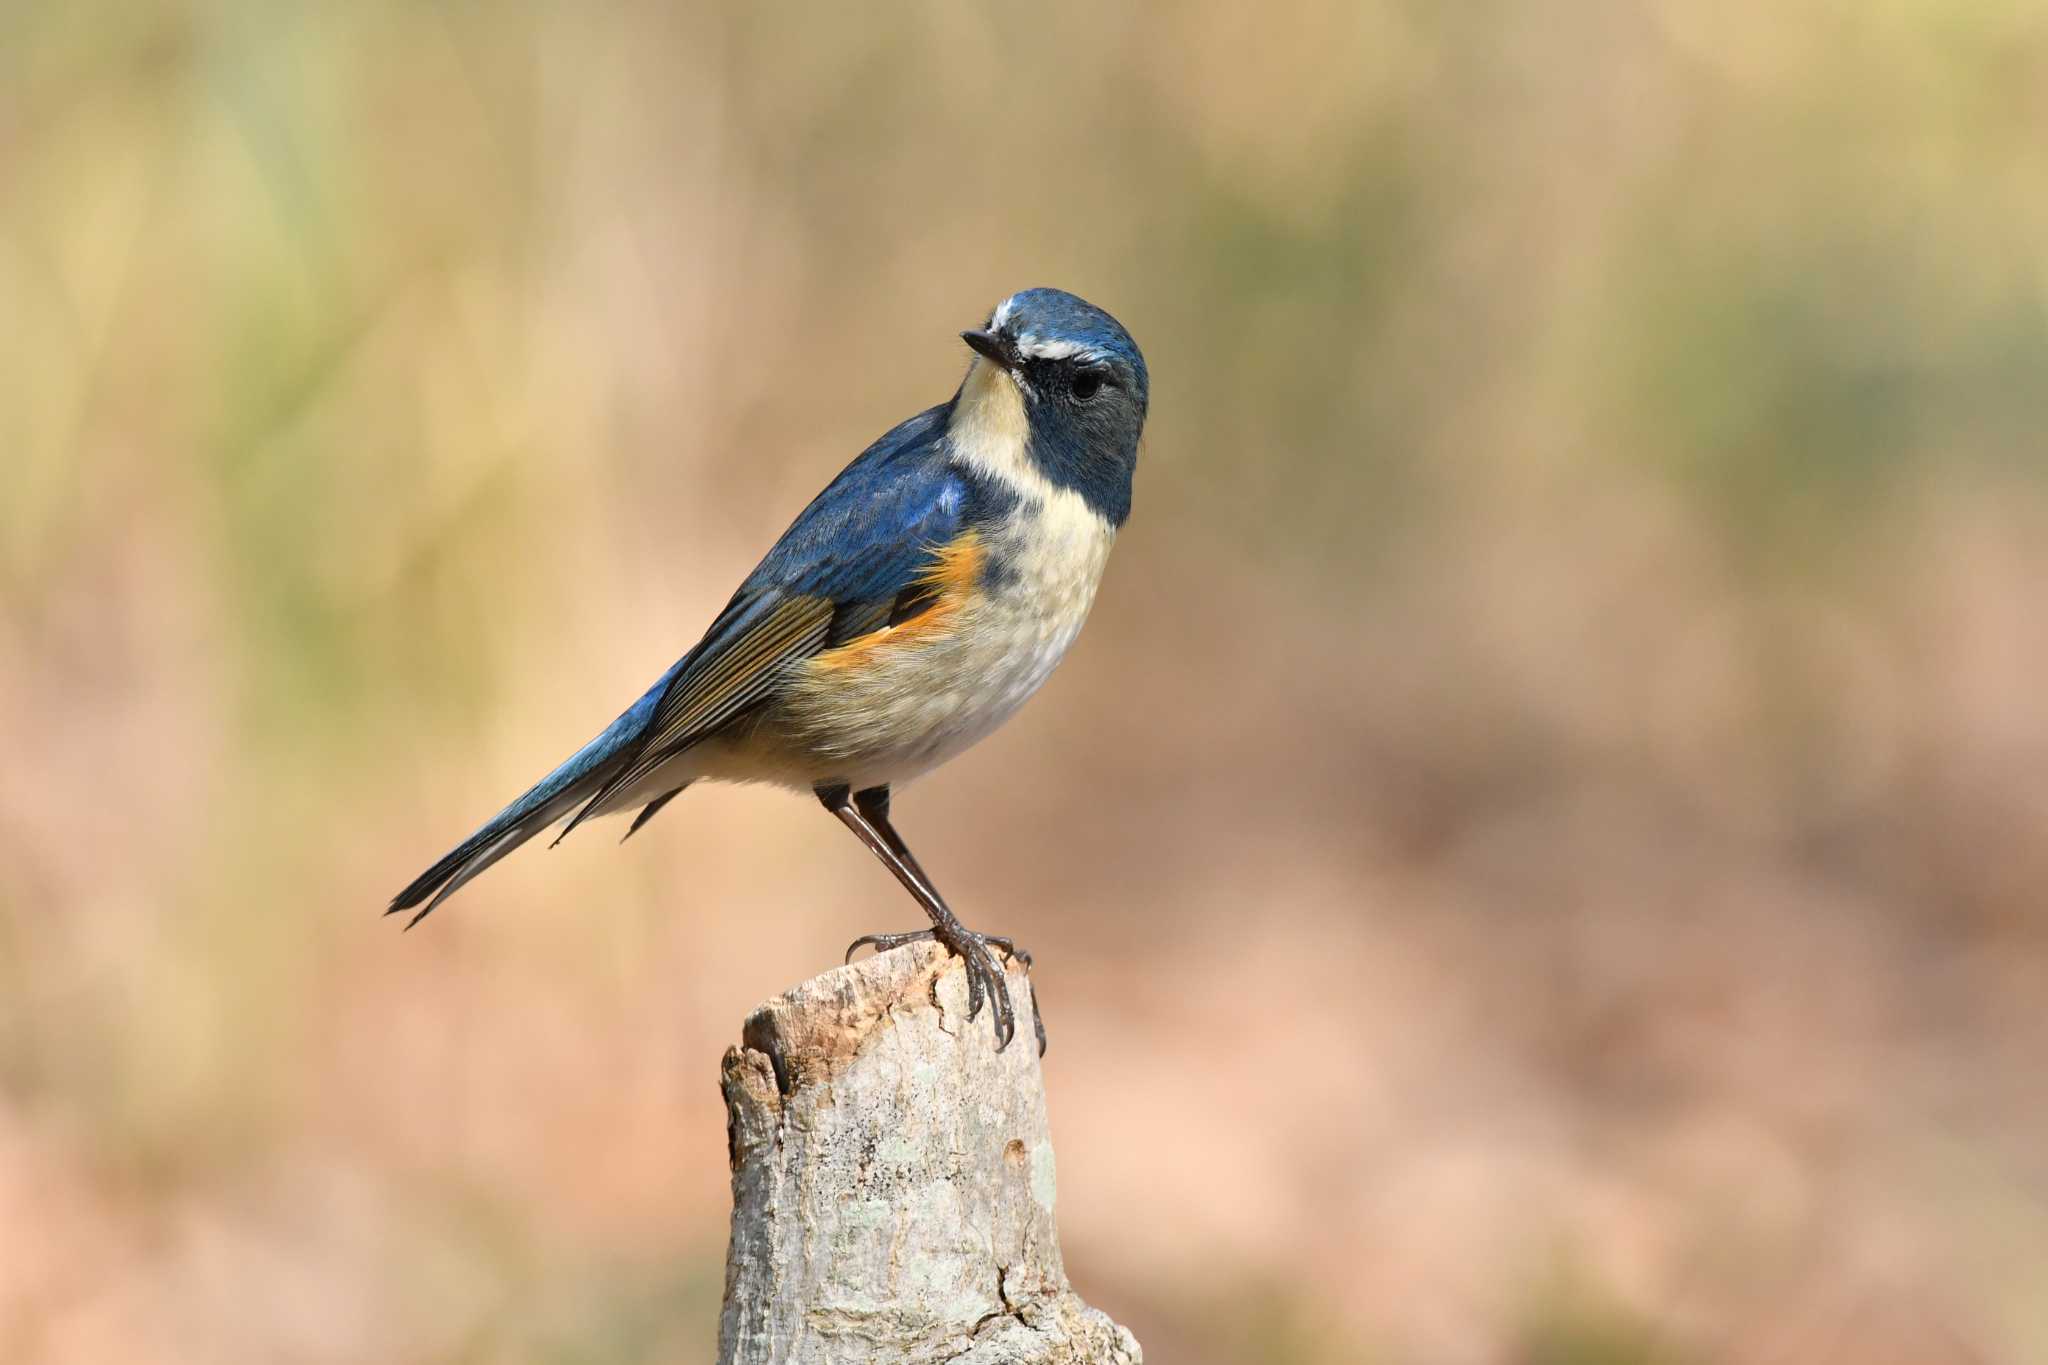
(1056, 350)
(1002, 314)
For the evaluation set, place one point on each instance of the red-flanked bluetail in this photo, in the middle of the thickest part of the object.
(906, 613)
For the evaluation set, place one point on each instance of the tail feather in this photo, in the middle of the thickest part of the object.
(652, 809)
(552, 798)
(585, 776)
(476, 853)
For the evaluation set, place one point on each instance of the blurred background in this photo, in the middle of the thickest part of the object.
(1541, 855)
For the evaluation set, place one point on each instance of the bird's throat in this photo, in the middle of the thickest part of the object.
(989, 428)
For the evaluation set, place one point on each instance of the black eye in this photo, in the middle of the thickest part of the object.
(1087, 384)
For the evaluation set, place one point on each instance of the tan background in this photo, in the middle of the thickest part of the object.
(1539, 857)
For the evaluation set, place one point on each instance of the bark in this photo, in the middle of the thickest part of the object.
(892, 1181)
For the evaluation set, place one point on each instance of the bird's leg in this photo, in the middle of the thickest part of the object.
(985, 979)
(873, 803)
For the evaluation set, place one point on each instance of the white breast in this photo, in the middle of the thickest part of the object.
(1054, 557)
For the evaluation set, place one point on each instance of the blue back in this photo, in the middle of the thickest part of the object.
(873, 529)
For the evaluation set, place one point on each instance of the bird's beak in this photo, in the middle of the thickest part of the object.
(994, 345)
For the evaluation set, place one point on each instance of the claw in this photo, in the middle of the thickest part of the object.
(987, 983)
(1008, 949)
(883, 943)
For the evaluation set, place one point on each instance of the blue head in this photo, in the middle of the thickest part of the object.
(1059, 388)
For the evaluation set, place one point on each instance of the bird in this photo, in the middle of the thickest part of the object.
(910, 609)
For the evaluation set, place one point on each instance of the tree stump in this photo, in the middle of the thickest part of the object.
(892, 1181)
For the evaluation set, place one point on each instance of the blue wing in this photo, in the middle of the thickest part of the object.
(868, 532)
(840, 570)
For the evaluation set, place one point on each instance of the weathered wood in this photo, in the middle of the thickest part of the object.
(893, 1182)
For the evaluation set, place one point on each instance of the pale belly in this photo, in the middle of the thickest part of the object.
(914, 704)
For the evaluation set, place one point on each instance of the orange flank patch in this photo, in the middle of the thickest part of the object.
(955, 569)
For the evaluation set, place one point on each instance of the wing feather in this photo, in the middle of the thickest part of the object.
(730, 672)
(741, 673)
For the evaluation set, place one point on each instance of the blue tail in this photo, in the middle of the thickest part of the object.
(549, 800)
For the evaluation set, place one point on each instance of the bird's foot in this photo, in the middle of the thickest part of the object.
(882, 943)
(985, 980)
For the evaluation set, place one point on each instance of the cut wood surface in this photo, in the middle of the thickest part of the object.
(893, 1181)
